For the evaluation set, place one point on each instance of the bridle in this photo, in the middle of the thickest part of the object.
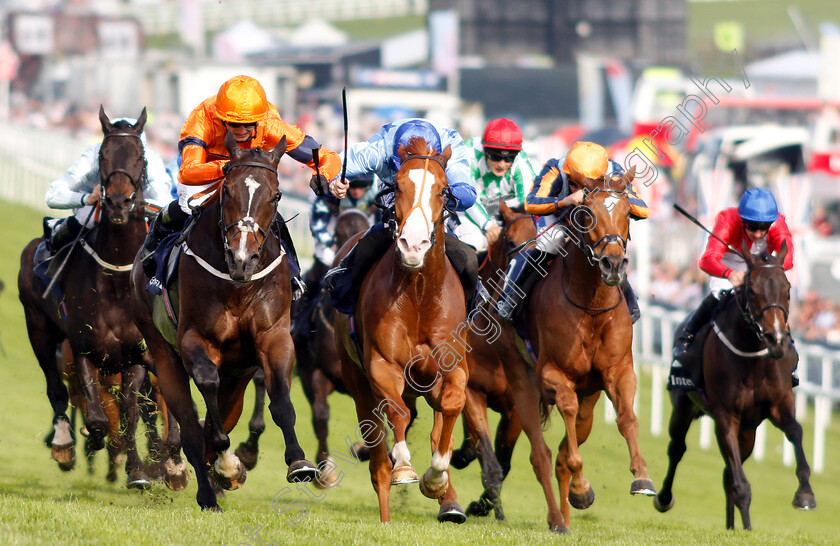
(105, 179)
(594, 258)
(748, 312)
(447, 192)
(247, 224)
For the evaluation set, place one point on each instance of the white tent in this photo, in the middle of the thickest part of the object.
(317, 32)
(240, 40)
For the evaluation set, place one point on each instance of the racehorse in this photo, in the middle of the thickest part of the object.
(581, 330)
(95, 302)
(410, 308)
(488, 385)
(232, 295)
(317, 362)
(745, 368)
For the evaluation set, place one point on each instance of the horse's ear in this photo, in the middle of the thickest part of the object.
(446, 154)
(783, 250)
(278, 151)
(103, 119)
(401, 152)
(233, 149)
(627, 177)
(745, 252)
(507, 214)
(141, 121)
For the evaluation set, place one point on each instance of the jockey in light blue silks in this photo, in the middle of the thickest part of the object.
(379, 156)
(79, 190)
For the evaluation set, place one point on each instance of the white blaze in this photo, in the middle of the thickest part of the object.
(253, 186)
(417, 228)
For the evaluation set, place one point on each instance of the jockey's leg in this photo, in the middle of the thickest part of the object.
(695, 321)
(370, 247)
(632, 302)
(525, 269)
(170, 219)
(282, 232)
(463, 258)
(63, 232)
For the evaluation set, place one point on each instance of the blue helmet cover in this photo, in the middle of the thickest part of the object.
(415, 128)
(758, 205)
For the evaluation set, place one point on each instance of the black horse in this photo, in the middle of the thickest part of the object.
(745, 367)
(92, 314)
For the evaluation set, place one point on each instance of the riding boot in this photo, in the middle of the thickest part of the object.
(519, 279)
(169, 220)
(282, 232)
(695, 321)
(367, 249)
(632, 302)
(302, 309)
(63, 232)
(463, 258)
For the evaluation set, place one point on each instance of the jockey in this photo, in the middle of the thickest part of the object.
(757, 222)
(557, 189)
(240, 107)
(79, 189)
(501, 170)
(379, 156)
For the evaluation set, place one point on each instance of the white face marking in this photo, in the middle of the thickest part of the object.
(253, 186)
(611, 202)
(418, 225)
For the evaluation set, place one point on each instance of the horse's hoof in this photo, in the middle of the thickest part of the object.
(155, 470)
(328, 480)
(561, 530)
(499, 512)
(452, 512)
(582, 502)
(662, 507)
(434, 490)
(643, 486)
(479, 508)
(137, 480)
(301, 471)
(233, 482)
(177, 476)
(213, 508)
(111, 476)
(247, 455)
(403, 475)
(360, 451)
(804, 501)
(65, 456)
(97, 432)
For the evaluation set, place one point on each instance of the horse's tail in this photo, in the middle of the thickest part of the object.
(545, 414)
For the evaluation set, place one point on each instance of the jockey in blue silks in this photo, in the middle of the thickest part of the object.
(379, 156)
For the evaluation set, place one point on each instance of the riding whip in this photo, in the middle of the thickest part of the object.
(704, 228)
(344, 163)
(60, 269)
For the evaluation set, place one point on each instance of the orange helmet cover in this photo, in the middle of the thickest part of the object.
(241, 99)
(586, 160)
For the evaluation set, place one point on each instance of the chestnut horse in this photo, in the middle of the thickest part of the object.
(96, 303)
(746, 366)
(488, 386)
(410, 308)
(317, 362)
(232, 297)
(581, 331)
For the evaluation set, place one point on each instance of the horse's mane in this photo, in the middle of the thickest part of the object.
(418, 146)
(122, 124)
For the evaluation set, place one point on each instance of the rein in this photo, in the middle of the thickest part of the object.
(748, 313)
(105, 179)
(418, 204)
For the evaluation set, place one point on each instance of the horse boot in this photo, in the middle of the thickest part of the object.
(169, 220)
(282, 233)
(632, 301)
(696, 321)
(519, 279)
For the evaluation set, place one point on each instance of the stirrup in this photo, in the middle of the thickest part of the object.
(298, 288)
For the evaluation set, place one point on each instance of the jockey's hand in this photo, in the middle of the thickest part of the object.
(737, 278)
(339, 188)
(574, 199)
(493, 233)
(319, 184)
(94, 196)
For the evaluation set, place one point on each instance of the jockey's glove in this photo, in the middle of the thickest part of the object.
(319, 185)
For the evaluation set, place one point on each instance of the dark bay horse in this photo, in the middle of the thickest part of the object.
(581, 330)
(232, 297)
(409, 318)
(488, 385)
(742, 390)
(317, 363)
(95, 302)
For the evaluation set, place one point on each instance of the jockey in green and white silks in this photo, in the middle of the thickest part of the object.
(502, 172)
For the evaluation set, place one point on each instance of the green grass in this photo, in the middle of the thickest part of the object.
(41, 505)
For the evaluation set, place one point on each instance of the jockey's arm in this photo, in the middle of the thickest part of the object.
(458, 171)
(711, 260)
(329, 163)
(157, 192)
(522, 177)
(362, 158)
(776, 235)
(71, 190)
(195, 169)
(544, 196)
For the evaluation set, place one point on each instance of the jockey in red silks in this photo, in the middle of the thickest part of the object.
(757, 222)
